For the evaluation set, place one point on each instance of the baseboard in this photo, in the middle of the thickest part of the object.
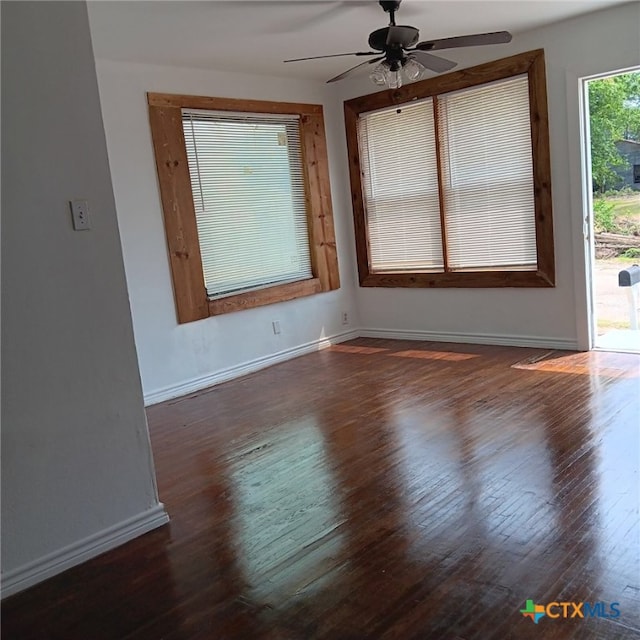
(224, 375)
(82, 550)
(473, 338)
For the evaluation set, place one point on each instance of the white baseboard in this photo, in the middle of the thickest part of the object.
(47, 566)
(224, 375)
(472, 338)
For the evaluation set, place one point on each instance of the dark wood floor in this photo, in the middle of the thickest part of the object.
(378, 489)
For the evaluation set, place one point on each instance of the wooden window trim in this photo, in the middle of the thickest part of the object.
(192, 303)
(531, 63)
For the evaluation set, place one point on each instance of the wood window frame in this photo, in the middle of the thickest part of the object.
(192, 302)
(531, 63)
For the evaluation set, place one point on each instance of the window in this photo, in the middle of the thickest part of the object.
(451, 179)
(636, 173)
(246, 201)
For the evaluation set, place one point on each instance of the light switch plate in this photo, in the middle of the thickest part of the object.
(80, 215)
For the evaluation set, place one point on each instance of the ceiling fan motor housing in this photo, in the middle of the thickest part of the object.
(399, 37)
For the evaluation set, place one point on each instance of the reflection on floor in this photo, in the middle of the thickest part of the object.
(380, 489)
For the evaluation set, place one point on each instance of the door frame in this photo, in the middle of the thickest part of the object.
(581, 190)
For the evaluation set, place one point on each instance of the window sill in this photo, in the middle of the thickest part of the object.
(483, 279)
(261, 297)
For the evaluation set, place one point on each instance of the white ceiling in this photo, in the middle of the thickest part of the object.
(256, 36)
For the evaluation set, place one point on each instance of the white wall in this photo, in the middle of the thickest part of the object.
(176, 359)
(595, 43)
(77, 470)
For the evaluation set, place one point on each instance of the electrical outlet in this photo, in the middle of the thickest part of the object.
(80, 215)
(276, 327)
(345, 317)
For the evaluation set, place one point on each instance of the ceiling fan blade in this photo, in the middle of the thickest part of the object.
(435, 63)
(344, 74)
(337, 55)
(495, 37)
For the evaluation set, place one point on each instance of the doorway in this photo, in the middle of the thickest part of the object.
(612, 126)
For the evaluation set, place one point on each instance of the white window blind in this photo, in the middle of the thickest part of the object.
(487, 182)
(488, 176)
(400, 185)
(249, 196)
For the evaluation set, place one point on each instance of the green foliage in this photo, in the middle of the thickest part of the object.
(632, 252)
(620, 193)
(603, 216)
(614, 111)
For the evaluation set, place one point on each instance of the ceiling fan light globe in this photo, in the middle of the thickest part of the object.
(379, 75)
(413, 70)
(394, 79)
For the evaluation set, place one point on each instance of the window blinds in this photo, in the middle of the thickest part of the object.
(487, 183)
(485, 137)
(249, 197)
(400, 184)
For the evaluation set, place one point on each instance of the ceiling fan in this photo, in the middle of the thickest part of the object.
(403, 56)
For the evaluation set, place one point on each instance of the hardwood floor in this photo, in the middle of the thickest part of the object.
(378, 489)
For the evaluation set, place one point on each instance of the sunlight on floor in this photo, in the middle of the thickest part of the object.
(619, 340)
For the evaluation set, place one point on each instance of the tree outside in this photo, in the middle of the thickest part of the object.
(614, 111)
